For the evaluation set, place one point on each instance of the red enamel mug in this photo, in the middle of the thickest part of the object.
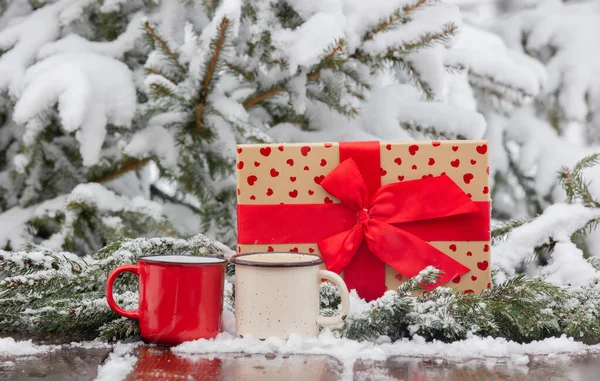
(180, 297)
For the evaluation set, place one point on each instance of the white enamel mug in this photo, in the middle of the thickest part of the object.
(277, 294)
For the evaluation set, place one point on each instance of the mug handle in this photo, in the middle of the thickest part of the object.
(341, 285)
(132, 314)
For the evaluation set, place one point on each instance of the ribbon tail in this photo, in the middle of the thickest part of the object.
(338, 250)
(408, 254)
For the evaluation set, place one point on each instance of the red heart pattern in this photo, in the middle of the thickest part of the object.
(269, 192)
(455, 163)
(292, 178)
(413, 149)
(290, 162)
(274, 172)
(398, 161)
(293, 193)
(280, 148)
(251, 180)
(240, 165)
(265, 151)
(482, 265)
(305, 150)
(467, 177)
(323, 162)
(482, 149)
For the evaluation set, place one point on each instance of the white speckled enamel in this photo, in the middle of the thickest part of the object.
(279, 301)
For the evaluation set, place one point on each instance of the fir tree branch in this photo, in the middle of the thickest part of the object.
(501, 231)
(431, 132)
(129, 164)
(258, 97)
(574, 183)
(165, 48)
(429, 38)
(210, 72)
(398, 16)
(238, 70)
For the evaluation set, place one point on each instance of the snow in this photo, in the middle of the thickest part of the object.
(74, 43)
(13, 230)
(91, 91)
(348, 351)
(570, 29)
(25, 38)
(11, 347)
(154, 140)
(558, 221)
(183, 219)
(118, 365)
(487, 55)
(392, 105)
(306, 44)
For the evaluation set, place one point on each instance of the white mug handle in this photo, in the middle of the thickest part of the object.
(341, 285)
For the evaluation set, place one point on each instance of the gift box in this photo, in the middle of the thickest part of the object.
(377, 212)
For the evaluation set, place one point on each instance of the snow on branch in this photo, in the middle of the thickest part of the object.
(91, 91)
(22, 40)
(556, 224)
(563, 35)
(74, 43)
(217, 44)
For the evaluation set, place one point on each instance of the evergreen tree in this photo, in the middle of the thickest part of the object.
(119, 119)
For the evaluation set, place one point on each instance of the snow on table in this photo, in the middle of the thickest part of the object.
(349, 351)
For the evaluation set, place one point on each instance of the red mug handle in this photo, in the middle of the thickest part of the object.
(132, 314)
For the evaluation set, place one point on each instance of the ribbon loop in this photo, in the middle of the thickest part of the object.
(346, 183)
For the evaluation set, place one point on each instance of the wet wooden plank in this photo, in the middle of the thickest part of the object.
(66, 363)
(162, 364)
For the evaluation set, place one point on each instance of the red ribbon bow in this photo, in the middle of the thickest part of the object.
(428, 198)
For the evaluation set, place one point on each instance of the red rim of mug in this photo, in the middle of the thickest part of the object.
(217, 260)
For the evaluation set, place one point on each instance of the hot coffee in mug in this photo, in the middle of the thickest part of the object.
(277, 294)
(180, 297)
